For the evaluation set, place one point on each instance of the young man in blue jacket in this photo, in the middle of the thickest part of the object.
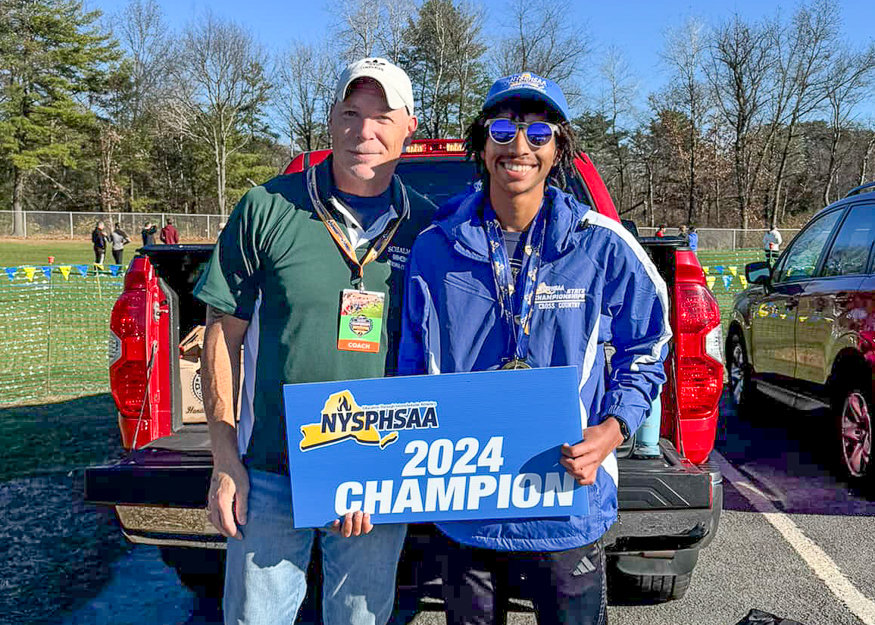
(522, 275)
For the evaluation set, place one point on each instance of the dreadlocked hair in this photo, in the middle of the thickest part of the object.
(566, 143)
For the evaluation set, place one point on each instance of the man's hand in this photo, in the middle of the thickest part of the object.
(584, 459)
(229, 498)
(354, 524)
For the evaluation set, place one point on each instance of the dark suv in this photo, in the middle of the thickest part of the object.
(803, 332)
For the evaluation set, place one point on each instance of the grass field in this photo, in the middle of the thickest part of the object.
(15, 252)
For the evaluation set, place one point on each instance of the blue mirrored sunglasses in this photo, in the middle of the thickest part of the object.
(538, 134)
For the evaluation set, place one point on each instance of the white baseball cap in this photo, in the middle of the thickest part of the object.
(394, 81)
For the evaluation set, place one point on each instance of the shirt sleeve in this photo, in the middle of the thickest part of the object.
(636, 301)
(230, 282)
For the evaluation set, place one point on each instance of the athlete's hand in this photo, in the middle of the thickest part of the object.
(229, 498)
(354, 524)
(584, 459)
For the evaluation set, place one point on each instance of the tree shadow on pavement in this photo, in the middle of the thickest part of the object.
(55, 550)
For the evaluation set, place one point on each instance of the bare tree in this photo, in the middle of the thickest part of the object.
(738, 67)
(392, 36)
(144, 35)
(617, 106)
(543, 39)
(684, 52)
(303, 78)
(219, 89)
(850, 77)
(364, 28)
(357, 23)
(804, 53)
(867, 153)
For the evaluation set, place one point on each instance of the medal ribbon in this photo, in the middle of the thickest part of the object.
(518, 325)
(377, 246)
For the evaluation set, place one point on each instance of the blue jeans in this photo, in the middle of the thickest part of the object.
(265, 575)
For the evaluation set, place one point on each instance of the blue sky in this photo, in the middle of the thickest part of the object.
(636, 28)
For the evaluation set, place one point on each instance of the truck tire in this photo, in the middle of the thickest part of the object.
(200, 570)
(636, 580)
(642, 589)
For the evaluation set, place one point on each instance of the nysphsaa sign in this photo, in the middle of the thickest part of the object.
(448, 447)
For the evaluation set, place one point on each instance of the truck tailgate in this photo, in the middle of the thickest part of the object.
(175, 471)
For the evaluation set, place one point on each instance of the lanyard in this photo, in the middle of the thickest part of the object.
(518, 326)
(376, 248)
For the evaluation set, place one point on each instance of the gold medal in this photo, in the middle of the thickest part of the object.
(516, 363)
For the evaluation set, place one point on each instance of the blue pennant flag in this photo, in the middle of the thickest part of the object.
(718, 270)
(83, 269)
(727, 280)
(11, 271)
(114, 269)
(47, 272)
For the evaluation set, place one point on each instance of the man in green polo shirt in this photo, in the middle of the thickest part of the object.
(308, 273)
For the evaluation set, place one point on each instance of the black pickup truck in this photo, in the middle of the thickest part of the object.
(669, 506)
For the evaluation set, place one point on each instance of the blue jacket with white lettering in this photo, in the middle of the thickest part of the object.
(596, 285)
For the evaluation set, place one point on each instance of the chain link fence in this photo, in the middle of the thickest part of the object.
(726, 238)
(200, 228)
(67, 225)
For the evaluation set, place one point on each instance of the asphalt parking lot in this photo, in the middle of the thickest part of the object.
(794, 540)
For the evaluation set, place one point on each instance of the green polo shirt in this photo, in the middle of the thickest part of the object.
(275, 248)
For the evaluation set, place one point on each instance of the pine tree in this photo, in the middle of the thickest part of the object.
(53, 63)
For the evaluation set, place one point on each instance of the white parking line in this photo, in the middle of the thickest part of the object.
(815, 557)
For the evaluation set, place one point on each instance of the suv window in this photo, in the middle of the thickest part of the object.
(800, 260)
(850, 251)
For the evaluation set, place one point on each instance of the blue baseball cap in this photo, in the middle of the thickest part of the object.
(527, 85)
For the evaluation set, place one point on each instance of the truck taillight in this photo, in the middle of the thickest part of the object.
(699, 363)
(134, 336)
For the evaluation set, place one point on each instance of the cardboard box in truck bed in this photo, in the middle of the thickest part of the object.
(190, 350)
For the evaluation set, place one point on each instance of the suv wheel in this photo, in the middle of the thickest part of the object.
(855, 431)
(738, 369)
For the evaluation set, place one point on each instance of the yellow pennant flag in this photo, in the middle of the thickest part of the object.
(29, 271)
(99, 266)
(65, 271)
(743, 281)
(733, 271)
(705, 269)
(710, 280)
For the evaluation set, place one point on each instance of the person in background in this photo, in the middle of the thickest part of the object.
(684, 233)
(693, 239)
(660, 232)
(521, 234)
(119, 239)
(98, 242)
(772, 244)
(148, 233)
(169, 234)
